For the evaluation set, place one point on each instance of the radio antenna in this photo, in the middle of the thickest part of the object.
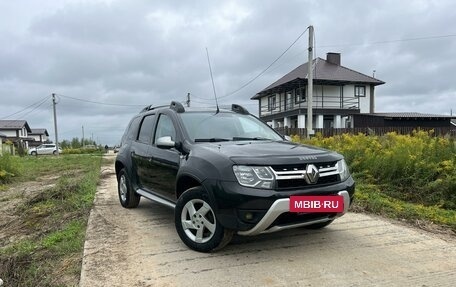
(212, 79)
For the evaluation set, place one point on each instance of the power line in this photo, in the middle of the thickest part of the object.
(40, 102)
(204, 103)
(391, 41)
(98, 103)
(300, 53)
(28, 113)
(267, 68)
(201, 98)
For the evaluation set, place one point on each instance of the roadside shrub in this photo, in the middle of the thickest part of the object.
(21, 151)
(418, 168)
(81, 151)
(71, 151)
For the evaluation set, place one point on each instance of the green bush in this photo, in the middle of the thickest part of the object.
(9, 167)
(81, 151)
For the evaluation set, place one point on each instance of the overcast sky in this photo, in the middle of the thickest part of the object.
(136, 53)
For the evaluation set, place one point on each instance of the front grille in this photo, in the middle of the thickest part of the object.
(294, 176)
(299, 183)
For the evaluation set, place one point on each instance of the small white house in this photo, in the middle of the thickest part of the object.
(338, 93)
(39, 136)
(16, 131)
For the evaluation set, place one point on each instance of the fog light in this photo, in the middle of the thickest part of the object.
(248, 216)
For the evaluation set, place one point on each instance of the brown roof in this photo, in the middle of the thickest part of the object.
(324, 71)
(39, 132)
(14, 125)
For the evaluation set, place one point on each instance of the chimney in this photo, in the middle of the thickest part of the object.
(333, 58)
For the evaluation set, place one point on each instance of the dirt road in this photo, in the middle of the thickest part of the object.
(140, 247)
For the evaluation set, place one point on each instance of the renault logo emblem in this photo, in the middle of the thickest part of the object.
(312, 174)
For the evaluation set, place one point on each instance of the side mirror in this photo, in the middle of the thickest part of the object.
(287, 138)
(165, 142)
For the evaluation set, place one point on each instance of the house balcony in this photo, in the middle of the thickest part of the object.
(280, 106)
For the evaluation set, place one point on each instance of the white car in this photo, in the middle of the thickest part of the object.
(44, 149)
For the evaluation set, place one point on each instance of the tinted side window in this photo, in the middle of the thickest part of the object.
(165, 128)
(147, 127)
(132, 131)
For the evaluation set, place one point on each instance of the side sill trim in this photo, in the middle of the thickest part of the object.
(155, 198)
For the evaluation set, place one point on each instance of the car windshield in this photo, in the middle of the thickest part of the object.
(226, 126)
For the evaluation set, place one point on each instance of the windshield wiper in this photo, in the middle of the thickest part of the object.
(212, 140)
(250, 139)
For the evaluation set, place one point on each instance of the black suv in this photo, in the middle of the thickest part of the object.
(225, 172)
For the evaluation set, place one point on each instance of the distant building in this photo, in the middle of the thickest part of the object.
(39, 136)
(338, 94)
(16, 131)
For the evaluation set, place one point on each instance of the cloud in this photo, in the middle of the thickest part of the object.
(152, 52)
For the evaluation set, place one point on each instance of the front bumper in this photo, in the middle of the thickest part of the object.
(241, 208)
(281, 206)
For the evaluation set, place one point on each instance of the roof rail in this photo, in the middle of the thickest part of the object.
(239, 109)
(178, 107)
(151, 107)
(147, 108)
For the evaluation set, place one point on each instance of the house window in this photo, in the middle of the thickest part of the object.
(360, 91)
(300, 95)
(271, 103)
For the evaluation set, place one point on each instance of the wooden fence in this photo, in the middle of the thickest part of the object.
(439, 132)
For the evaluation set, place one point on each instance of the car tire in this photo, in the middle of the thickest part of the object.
(54, 152)
(197, 224)
(33, 153)
(319, 225)
(127, 197)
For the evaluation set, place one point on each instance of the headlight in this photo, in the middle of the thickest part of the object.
(342, 169)
(254, 176)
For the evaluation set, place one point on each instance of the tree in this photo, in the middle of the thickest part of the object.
(75, 143)
(65, 144)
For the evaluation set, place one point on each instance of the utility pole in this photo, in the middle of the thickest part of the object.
(310, 84)
(55, 125)
(82, 142)
(188, 100)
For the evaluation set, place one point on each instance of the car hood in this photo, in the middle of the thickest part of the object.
(269, 152)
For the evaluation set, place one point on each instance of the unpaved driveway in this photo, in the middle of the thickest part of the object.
(140, 247)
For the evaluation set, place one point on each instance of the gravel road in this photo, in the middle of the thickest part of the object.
(140, 247)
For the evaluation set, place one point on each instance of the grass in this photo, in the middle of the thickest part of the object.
(50, 223)
(9, 168)
(371, 198)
